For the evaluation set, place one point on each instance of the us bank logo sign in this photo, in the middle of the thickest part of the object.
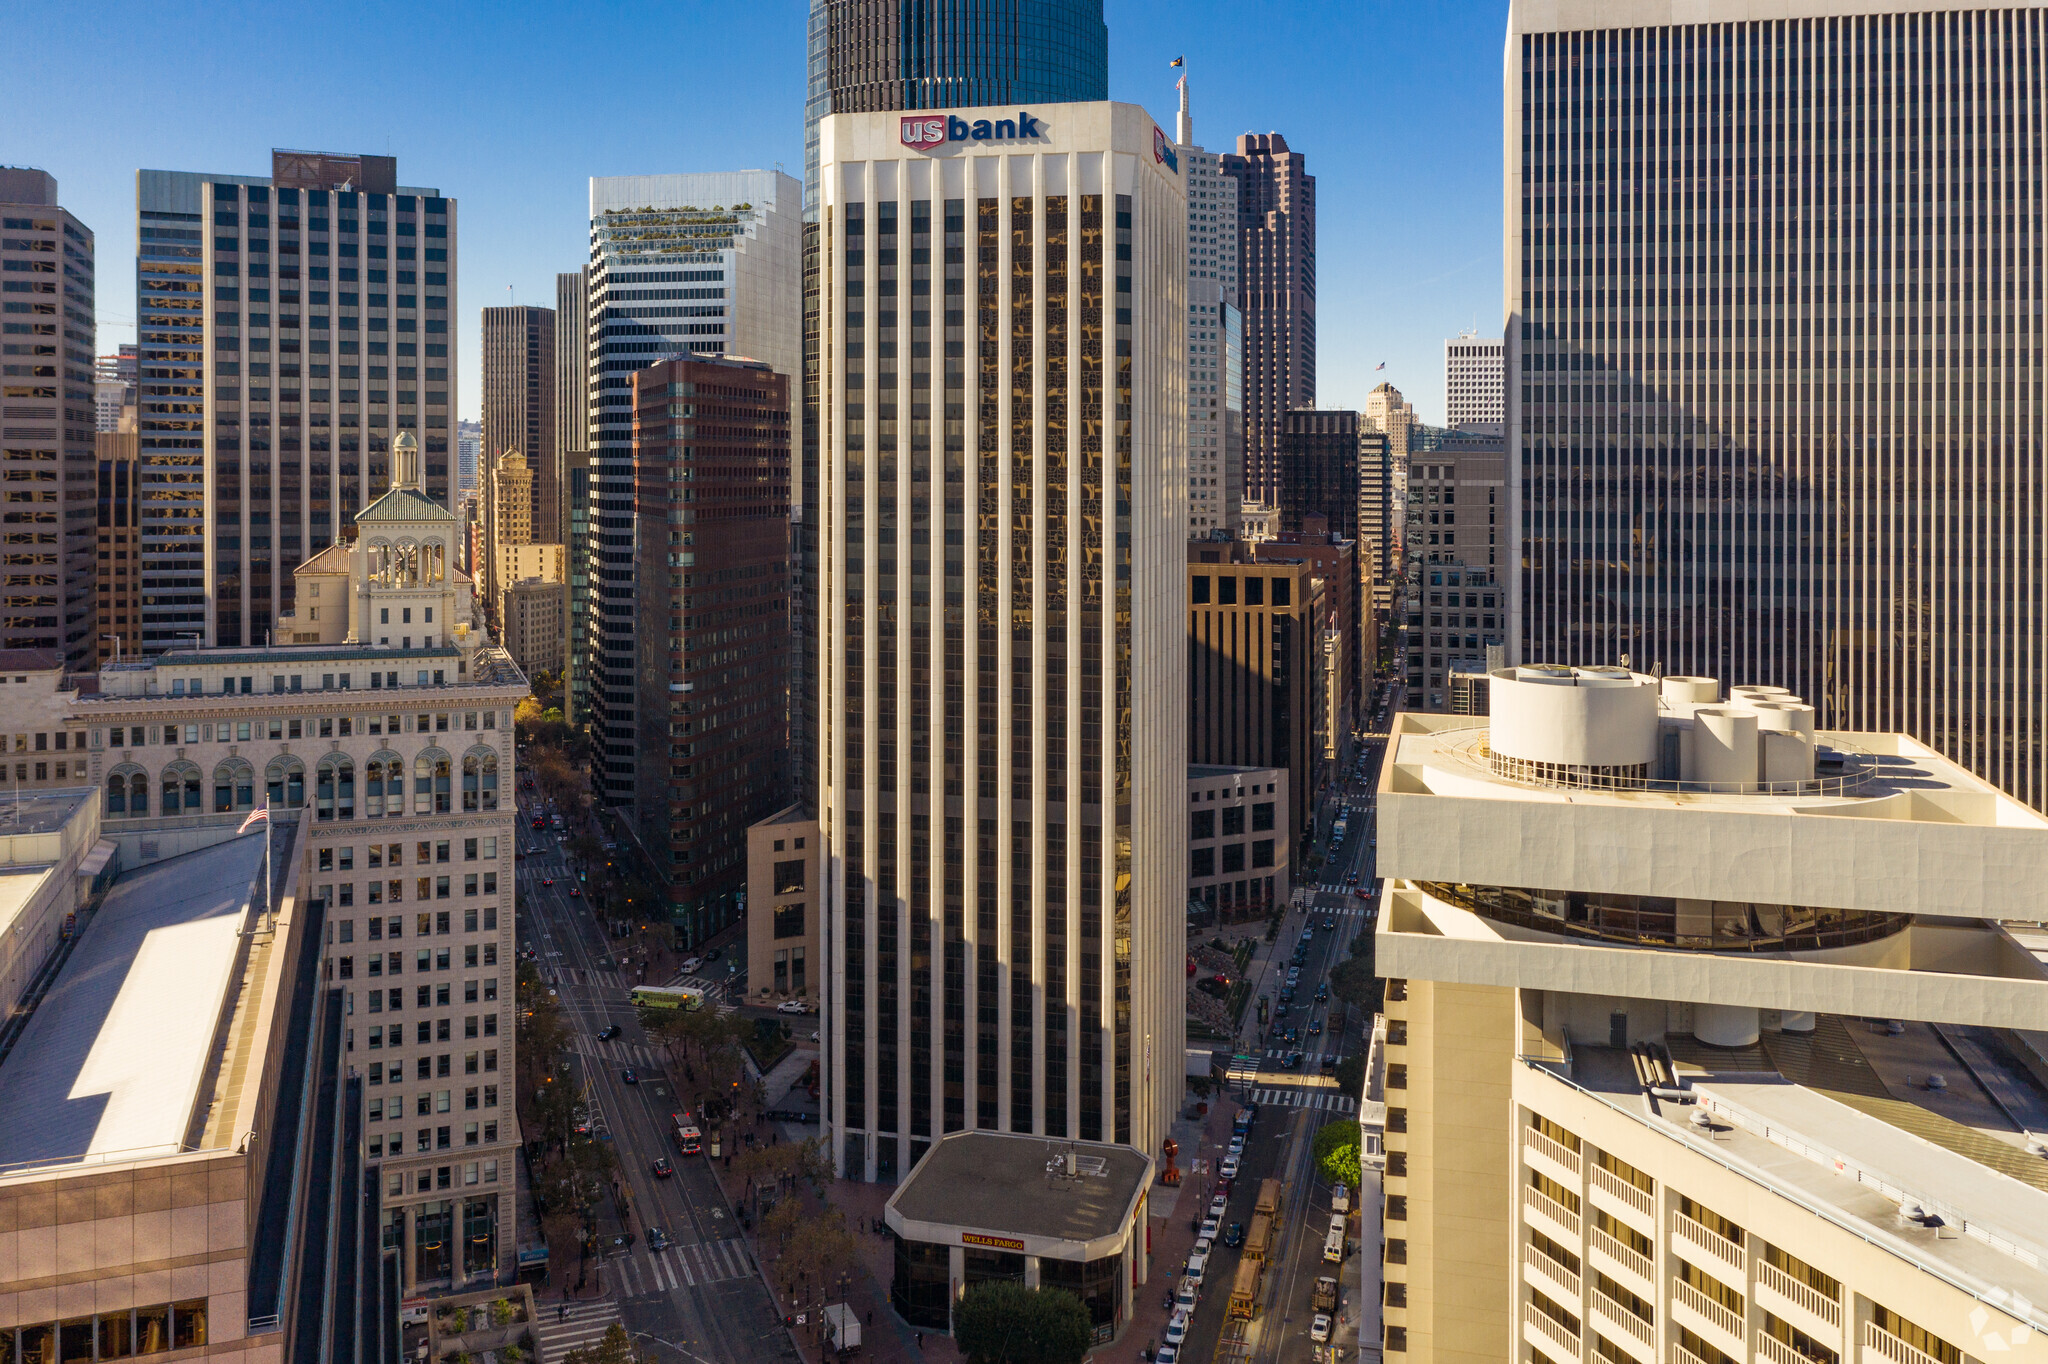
(929, 132)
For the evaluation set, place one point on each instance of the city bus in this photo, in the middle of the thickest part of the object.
(685, 997)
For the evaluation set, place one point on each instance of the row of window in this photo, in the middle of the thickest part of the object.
(325, 727)
(436, 1139)
(1202, 823)
(428, 1067)
(234, 786)
(425, 888)
(1203, 861)
(438, 1178)
(393, 854)
(110, 1335)
(424, 960)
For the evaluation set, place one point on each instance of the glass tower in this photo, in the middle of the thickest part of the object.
(1775, 345)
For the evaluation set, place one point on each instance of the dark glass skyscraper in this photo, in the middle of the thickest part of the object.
(874, 55)
(1775, 360)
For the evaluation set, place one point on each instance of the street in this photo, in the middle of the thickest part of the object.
(701, 1299)
(1292, 1103)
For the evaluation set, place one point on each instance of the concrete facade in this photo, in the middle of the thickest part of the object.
(785, 928)
(1049, 808)
(1666, 974)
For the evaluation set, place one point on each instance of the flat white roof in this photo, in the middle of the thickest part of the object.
(18, 886)
(110, 1064)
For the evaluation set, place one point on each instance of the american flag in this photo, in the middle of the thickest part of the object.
(256, 817)
(1380, 366)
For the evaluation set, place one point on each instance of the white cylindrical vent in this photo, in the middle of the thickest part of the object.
(1555, 674)
(1699, 691)
(1573, 721)
(1791, 717)
(1725, 1025)
(1799, 1021)
(1724, 748)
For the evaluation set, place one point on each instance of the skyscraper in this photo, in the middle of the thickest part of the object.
(322, 295)
(117, 572)
(469, 444)
(680, 265)
(1472, 382)
(1001, 753)
(572, 444)
(519, 405)
(1775, 405)
(1215, 391)
(1388, 413)
(1276, 233)
(873, 55)
(114, 387)
(711, 441)
(47, 457)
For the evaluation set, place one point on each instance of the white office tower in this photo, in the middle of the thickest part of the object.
(1472, 383)
(706, 264)
(1705, 1039)
(1215, 338)
(1003, 513)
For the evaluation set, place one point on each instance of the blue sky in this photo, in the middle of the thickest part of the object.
(509, 107)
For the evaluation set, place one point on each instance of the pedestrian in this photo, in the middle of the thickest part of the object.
(920, 1340)
(871, 1318)
(562, 1311)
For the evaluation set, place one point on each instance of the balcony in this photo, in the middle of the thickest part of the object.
(1879, 1343)
(1552, 1277)
(1563, 1157)
(1693, 1239)
(1799, 1303)
(1552, 1337)
(1543, 1205)
(1612, 1313)
(1626, 1257)
(1637, 1207)
(1724, 1321)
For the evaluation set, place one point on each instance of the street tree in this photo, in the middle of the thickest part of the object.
(1003, 1322)
(1336, 1152)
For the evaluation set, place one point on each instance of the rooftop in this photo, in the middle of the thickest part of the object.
(1834, 1118)
(112, 1064)
(30, 660)
(1002, 1185)
(39, 812)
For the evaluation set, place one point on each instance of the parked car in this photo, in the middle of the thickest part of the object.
(1218, 1206)
(1319, 1329)
(1190, 1291)
(1177, 1327)
(1229, 1167)
(1208, 1230)
(792, 1006)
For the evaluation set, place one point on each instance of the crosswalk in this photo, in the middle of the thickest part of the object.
(1324, 1099)
(664, 1271)
(581, 1326)
(619, 1051)
(1357, 906)
(1243, 1069)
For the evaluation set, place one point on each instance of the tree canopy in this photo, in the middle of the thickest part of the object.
(1336, 1152)
(1003, 1322)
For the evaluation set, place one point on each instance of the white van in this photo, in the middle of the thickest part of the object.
(1333, 1244)
(1197, 1264)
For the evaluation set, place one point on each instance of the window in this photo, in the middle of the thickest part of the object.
(1201, 824)
(1262, 816)
(789, 878)
(1233, 820)
(789, 920)
(1233, 858)
(1202, 862)
(1262, 852)
(480, 780)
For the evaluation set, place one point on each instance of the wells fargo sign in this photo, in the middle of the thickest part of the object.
(969, 1238)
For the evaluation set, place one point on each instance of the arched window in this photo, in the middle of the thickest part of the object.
(335, 790)
(127, 791)
(234, 786)
(181, 789)
(285, 779)
(384, 785)
(430, 779)
(480, 779)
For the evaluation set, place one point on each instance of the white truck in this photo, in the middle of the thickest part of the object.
(842, 1328)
